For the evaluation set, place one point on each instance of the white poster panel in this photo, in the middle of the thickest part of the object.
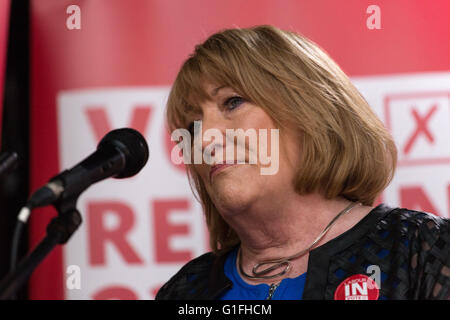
(416, 110)
(136, 232)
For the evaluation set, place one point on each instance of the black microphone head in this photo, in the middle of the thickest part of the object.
(132, 144)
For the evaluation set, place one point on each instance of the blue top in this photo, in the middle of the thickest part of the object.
(289, 288)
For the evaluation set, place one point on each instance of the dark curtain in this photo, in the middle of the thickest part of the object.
(15, 132)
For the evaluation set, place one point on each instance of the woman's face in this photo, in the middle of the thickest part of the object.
(235, 187)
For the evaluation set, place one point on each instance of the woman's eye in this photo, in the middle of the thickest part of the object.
(233, 102)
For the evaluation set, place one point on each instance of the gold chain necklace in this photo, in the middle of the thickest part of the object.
(286, 262)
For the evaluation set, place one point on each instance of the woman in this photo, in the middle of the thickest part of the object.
(303, 231)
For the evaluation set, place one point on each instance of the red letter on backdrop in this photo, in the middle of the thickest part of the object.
(100, 124)
(115, 293)
(99, 235)
(164, 230)
(421, 128)
(414, 198)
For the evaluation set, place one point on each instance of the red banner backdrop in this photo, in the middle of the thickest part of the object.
(4, 20)
(91, 60)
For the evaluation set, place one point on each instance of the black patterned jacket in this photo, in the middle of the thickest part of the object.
(411, 248)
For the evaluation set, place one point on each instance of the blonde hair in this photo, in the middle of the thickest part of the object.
(346, 150)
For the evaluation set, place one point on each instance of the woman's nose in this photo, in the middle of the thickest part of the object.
(213, 130)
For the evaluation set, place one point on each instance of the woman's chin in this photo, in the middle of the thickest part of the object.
(233, 197)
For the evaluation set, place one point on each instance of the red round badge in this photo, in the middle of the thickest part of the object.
(357, 287)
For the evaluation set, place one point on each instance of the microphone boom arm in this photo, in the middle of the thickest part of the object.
(59, 231)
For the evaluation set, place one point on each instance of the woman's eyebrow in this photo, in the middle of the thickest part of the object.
(216, 90)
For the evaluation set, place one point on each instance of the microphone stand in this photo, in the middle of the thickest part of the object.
(8, 162)
(59, 231)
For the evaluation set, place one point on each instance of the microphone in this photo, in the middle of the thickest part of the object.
(120, 154)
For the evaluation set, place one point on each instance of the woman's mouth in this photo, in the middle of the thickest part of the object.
(219, 167)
